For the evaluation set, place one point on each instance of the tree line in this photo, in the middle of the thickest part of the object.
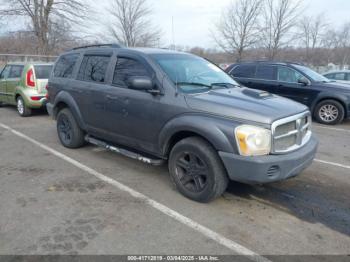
(247, 29)
(279, 29)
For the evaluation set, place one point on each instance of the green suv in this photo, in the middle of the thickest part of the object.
(24, 85)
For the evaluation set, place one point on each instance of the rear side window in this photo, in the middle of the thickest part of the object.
(266, 72)
(65, 66)
(16, 71)
(247, 71)
(126, 68)
(340, 76)
(94, 68)
(43, 71)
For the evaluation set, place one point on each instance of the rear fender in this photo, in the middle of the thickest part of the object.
(65, 98)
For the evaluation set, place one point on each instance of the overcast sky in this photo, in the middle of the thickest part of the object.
(194, 18)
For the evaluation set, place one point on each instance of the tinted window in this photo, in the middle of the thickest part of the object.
(330, 76)
(65, 66)
(266, 72)
(339, 76)
(43, 71)
(244, 71)
(127, 68)
(94, 68)
(16, 71)
(5, 72)
(286, 74)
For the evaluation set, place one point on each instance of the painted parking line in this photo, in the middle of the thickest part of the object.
(220, 239)
(332, 163)
(333, 128)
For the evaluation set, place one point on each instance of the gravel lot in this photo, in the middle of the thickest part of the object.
(51, 206)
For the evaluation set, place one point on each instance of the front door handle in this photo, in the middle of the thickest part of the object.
(109, 97)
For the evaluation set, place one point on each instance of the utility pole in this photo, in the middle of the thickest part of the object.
(173, 32)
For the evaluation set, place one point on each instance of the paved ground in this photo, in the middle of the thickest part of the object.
(50, 206)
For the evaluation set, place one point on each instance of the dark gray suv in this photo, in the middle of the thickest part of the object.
(158, 105)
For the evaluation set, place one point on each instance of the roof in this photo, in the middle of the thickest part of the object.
(270, 62)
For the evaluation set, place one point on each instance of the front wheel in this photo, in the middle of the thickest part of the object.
(197, 170)
(22, 109)
(69, 132)
(329, 112)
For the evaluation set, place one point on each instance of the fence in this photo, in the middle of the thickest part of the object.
(6, 58)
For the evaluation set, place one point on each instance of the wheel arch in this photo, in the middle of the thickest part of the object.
(65, 100)
(196, 126)
(338, 99)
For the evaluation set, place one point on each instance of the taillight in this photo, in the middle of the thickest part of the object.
(36, 98)
(30, 78)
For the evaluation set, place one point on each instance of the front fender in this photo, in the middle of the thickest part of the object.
(67, 99)
(219, 132)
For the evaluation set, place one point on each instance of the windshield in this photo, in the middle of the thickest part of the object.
(43, 71)
(312, 74)
(193, 74)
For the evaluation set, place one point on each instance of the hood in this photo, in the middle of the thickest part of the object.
(244, 103)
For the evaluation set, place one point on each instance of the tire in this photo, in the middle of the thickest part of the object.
(197, 171)
(68, 130)
(329, 112)
(22, 109)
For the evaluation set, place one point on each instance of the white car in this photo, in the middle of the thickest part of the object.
(342, 76)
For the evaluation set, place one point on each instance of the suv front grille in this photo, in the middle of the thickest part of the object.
(291, 133)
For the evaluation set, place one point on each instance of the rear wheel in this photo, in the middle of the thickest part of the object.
(69, 132)
(22, 109)
(329, 112)
(197, 170)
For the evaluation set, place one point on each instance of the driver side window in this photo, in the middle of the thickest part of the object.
(126, 68)
(289, 75)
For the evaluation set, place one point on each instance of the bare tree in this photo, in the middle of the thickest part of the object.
(238, 28)
(279, 19)
(131, 24)
(311, 32)
(44, 15)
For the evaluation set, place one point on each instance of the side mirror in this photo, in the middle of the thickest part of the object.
(304, 81)
(141, 83)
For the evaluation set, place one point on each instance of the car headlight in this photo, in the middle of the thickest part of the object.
(253, 140)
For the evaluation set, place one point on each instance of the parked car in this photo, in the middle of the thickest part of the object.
(328, 101)
(24, 85)
(342, 76)
(158, 105)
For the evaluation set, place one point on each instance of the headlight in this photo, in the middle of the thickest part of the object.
(253, 141)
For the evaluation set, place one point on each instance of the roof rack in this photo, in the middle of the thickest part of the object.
(99, 45)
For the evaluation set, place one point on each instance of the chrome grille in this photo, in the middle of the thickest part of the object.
(291, 133)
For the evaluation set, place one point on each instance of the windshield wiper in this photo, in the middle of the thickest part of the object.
(193, 84)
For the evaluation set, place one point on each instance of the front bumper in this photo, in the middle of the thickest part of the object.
(271, 168)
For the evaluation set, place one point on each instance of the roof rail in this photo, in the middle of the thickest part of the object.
(99, 45)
